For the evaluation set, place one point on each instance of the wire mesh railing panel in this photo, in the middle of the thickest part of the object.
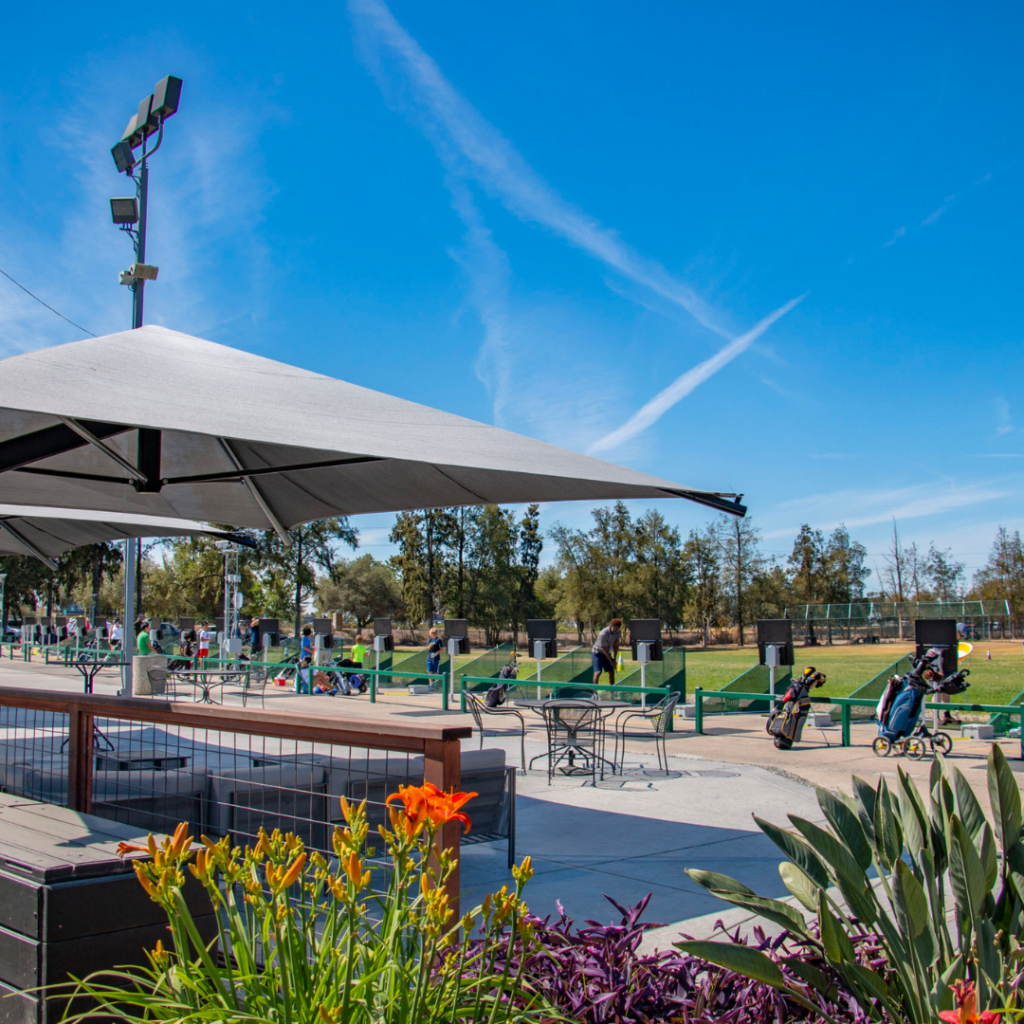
(489, 663)
(225, 783)
(34, 754)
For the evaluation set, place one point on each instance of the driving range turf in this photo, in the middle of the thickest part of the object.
(848, 667)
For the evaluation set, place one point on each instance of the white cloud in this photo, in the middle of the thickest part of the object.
(858, 508)
(683, 385)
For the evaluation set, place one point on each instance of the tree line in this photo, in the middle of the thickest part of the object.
(483, 564)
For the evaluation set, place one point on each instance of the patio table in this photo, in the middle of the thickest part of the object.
(202, 678)
(572, 744)
(90, 669)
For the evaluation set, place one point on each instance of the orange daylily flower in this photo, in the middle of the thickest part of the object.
(428, 803)
(967, 1005)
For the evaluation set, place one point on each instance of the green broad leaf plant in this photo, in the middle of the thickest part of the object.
(941, 886)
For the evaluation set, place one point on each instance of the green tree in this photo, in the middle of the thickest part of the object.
(612, 543)
(493, 573)
(363, 587)
(768, 595)
(805, 566)
(529, 546)
(658, 576)
(1002, 577)
(843, 569)
(26, 580)
(578, 592)
(944, 573)
(704, 605)
(311, 546)
(742, 562)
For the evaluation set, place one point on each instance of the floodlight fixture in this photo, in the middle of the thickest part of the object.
(125, 210)
(123, 156)
(166, 96)
(144, 271)
(146, 123)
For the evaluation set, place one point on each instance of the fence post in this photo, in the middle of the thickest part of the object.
(80, 759)
(1022, 735)
(698, 710)
(462, 693)
(442, 765)
(844, 711)
(373, 688)
(445, 679)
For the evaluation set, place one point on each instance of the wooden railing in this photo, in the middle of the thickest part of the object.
(439, 745)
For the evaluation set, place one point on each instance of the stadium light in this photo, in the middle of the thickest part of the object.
(123, 156)
(125, 211)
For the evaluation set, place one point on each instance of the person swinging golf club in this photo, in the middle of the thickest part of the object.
(606, 650)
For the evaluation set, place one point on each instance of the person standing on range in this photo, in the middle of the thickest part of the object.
(606, 650)
(434, 652)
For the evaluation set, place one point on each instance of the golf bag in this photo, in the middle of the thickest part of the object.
(899, 710)
(786, 724)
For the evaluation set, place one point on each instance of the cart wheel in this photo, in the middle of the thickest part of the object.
(942, 743)
(882, 747)
(914, 748)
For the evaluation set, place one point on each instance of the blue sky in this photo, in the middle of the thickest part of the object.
(772, 249)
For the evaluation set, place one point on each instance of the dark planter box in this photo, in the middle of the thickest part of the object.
(70, 906)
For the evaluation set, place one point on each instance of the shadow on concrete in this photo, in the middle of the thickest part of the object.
(579, 853)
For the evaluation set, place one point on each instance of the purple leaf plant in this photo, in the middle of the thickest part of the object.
(596, 975)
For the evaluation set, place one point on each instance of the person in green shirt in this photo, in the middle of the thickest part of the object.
(145, 647)
(359, 650)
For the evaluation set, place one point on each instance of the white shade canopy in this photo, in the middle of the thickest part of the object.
(155, 422)
(48, 532)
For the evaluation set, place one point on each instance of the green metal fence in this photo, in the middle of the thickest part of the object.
(1002, 722)
(754, 680)
(848, 704)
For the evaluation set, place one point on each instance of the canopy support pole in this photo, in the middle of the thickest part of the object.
(255, 492)
(88, 435)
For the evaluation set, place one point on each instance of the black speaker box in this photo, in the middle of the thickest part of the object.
(939, 633)
(775, 631)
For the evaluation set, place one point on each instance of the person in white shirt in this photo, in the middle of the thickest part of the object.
(206, 636)
(116, 632)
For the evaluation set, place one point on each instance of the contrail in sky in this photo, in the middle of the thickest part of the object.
(650, 413)
(499, 167)
(470, 147)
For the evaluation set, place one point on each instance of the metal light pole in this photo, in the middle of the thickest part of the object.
(149, 120)
(3, 604)
(231, 643)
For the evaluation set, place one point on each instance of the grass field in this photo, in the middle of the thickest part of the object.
(992, 682)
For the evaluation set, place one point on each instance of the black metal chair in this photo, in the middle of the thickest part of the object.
(575, 731)
(657, 717)
(478, 709)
